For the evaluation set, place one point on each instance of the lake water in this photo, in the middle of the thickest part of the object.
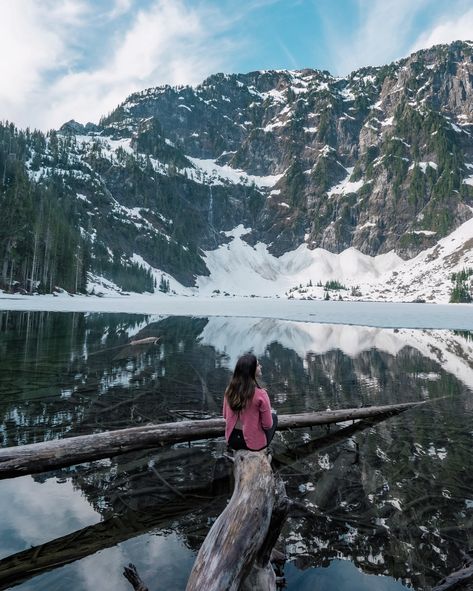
(391, 502)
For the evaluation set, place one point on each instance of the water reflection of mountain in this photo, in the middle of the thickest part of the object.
(394, 498)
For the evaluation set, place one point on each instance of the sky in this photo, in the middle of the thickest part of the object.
(79, 59)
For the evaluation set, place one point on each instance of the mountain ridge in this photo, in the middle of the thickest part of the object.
(379, 160)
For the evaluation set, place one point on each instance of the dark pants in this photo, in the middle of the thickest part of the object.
(237, 441)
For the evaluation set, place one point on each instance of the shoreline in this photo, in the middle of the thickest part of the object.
(373, 314)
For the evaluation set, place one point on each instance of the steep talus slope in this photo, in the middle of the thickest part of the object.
(380, 160)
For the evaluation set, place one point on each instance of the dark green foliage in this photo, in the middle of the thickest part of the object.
(462, 275)
(357, 173)
(321, 174)
(164, 285)
(334, 285)
(466, 334)
(128, 275)
(323, 131)
(370, 156)
(395, 161)
(151, 141)
(417, 188)
(255, 202)
(410, 240)
(461, 291)
(460, 294)
(425, 133)
(39, 247)
(295, 183)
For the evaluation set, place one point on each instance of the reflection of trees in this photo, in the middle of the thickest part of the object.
(391, 498)
(84, 374)
(400, 510)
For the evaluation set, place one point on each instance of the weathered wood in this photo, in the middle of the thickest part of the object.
(131, 574)
(48, 455)
(262, 576)
(229, 551)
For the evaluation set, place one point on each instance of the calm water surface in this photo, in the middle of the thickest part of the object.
(391, 503)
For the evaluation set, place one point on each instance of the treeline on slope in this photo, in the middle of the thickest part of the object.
(462, 287)
(41, 246)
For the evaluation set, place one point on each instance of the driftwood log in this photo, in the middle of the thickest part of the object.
(229, 551)
(49, 455)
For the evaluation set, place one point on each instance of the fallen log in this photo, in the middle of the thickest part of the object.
(131, 574)
(49, 455)
(36, 560)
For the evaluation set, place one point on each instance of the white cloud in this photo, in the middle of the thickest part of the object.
(458, 27)
(27, 50)
(119, 7)
(33, 43)
(383, 33)
(169, 43)
(172, 41)
(67, 59)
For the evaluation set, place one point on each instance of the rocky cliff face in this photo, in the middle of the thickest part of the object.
(379, 160)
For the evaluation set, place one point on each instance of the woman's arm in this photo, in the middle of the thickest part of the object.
(265, 411)
(224, 408)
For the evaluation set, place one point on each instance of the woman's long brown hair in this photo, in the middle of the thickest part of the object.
(241, 388)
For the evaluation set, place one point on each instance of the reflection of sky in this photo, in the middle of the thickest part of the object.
(340, 575)
(33, 513)
(162, 561)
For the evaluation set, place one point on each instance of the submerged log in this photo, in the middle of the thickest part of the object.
(460, 580)
(131, 574)
(49, 455)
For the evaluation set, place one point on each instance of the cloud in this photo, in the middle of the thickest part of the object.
(459, 27)
(34, 42)
(27, 49)
(169, 41)
(119, 7)
(384, 28)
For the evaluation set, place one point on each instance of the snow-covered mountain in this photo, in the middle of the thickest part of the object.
(256, 183)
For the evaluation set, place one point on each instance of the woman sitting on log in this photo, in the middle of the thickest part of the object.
(250, 422)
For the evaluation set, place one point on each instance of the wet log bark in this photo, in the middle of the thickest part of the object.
(230, 550)
(48, 455)
(131, 574)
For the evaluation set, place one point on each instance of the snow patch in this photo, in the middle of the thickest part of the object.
(241, 269)
(209, 172)
(346, 186)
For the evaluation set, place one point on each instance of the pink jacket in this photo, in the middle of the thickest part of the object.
(254, 418)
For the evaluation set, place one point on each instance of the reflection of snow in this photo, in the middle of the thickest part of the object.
(234, 336)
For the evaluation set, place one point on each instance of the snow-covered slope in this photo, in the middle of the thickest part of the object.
(427, 276)
(240, 269)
